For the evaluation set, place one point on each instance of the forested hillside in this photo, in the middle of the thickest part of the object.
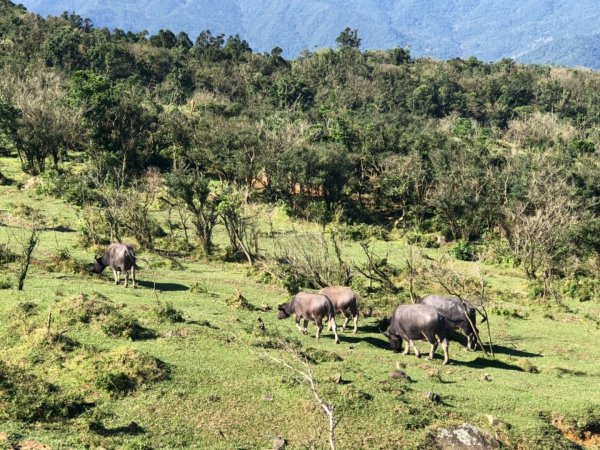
(471, 150)
(532, 31)
(242, 177)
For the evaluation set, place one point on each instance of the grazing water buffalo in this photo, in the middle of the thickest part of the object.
(307, 306)
(415, 322)
(456, 315)
(345, 300)
(120, 258)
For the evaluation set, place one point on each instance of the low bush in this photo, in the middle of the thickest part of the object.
(5, 283)
(582, 289)
(422, 239)
(25, 397)
(464, 250)
(125, 370)
(120, 326)
(166, 312)
(361, 232)
(84, 308)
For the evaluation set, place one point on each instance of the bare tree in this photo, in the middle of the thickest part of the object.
(308, 259)
(27, 248)
(538, 217)
(378, 270)
(239, 224)
(305, 375)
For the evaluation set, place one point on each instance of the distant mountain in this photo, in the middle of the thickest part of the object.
(544, 31)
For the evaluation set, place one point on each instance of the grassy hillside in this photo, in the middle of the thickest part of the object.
(209, 382)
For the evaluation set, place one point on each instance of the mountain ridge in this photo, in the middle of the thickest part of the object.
(486, 29)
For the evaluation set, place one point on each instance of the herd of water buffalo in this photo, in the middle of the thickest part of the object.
(429, 320)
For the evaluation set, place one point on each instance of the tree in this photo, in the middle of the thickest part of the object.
(164, 39)
(348, 39)
(540, 210)
(193, 190)
(45, 125)
(209, 47)
(9, 116)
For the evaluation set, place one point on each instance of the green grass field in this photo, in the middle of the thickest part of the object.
(208, 381)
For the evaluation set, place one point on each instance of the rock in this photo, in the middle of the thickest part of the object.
(279, 443)
(268, 397)
(433, 397)
(485, 377)
(463, 437)
(493, 420)
(337, 378)
(399, 375)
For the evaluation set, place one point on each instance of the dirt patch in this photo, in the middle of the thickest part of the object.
(31, 445)
(588, 438)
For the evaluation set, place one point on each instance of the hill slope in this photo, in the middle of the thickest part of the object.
(486, 29)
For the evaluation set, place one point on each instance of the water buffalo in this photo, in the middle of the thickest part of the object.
(414, 322)
(307, 306)
(456, 315)
(120, 258)
(345, 300)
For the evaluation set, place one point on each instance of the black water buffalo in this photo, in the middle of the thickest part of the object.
(415, 322)
(120, 258)
(345, 300)
(307, 306)
(457, 315)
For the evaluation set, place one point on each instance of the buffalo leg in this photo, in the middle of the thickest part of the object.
(319, 325)
(334, 328)
(126, 278)
(445, 347)
(434, 345)
(298, 325)
(411, 342)
(133, 276)
(117, 275)
(355, 323)
(346, 319)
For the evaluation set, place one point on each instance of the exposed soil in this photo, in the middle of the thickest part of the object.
(587, 439)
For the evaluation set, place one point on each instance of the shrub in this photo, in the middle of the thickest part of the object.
(238, 301)
(582, 289)
(125, 370)
(527, 366)
(361, 232)
(26, 398)
(497, 251)
(463, 250)
(166, 312)
(63, 262)
(70, 187)
(118, 325)
(117, 383)
(199, 288)
(84, 308)
(7, 256)
(5, 283)
(317, 356)
(422, 239)
(20, 315)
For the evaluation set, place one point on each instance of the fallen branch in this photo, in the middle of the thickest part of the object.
(307, 376)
